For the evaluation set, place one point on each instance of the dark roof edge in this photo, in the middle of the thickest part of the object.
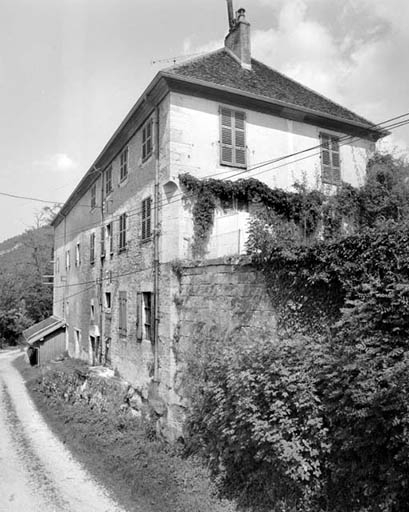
(72, 198)
(239, 92)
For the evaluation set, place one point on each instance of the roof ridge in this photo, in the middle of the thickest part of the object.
(193, 59)
(313, 91)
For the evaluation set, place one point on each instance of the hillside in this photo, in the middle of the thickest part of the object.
(25, 298)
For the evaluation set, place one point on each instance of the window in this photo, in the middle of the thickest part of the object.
(92, 248)
(232, 137)
(122, 314)
(330, 161)
(103, 242)
(144, 316)
(124, 164)
(147, 145)
(67, 260)
(92, 311)
(146, 218)
(108, 181)
(77, 255)
(94, 195)
(108, 301)
(122, 232)
(110, 235)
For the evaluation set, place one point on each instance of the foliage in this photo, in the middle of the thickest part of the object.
(300, 207)
(24, 260)
(260, 419)
(337, 380)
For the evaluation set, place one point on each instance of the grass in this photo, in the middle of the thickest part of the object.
(141, 473)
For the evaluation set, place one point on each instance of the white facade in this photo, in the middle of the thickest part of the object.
(194, 140)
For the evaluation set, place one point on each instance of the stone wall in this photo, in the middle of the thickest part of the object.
(215, 299)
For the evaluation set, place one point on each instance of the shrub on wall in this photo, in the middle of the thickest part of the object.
(259, 417)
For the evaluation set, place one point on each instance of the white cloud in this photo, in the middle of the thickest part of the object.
(353, 53)
(59, 162)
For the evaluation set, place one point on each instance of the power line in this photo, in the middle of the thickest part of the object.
(259, 165)
(178, 197)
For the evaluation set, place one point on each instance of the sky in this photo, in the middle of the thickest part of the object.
(70, 70)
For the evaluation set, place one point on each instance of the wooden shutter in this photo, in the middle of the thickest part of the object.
(232, 137)
(102, 241)
(239, 139)
(122, 320)
(139, 319)
(146, 218)
(226, 136)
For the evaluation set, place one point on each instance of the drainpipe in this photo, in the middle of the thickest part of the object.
(156, 240)
(101, 274)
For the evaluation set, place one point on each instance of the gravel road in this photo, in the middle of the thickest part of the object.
(38, 474)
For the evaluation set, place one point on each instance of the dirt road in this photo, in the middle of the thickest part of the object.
(37, 472)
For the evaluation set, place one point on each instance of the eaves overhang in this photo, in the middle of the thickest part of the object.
(239, 97)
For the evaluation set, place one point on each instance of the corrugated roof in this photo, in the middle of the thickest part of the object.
(43, 328)
(221, 68)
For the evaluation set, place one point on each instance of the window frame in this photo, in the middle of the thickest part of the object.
(122, 232)
(123, 164)
(147, 140)
(145, 316)
(146, 219)
(233, 147)
(330, 172)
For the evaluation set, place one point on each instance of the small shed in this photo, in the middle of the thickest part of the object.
(46, 340)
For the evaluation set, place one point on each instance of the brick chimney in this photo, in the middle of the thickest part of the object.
(238, 38)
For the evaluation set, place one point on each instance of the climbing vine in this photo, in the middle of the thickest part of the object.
(302, 207)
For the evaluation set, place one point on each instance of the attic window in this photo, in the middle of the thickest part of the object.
(232, 137)
(330, 159)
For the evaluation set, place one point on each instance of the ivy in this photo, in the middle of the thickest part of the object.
(302, 207)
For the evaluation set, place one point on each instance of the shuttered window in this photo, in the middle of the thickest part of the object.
(232, 137)
(124, 164)
(330, 159)
(146, 218)
(93, 196)
(92, 248)
(122, 232)
(110, 234)
(147, 145)
(122, 314)
(144, 316)
(103, 242)
(108, 181)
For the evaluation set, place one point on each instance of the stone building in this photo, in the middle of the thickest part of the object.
(121, 233)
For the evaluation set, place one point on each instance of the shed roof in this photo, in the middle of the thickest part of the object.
(37, 331)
